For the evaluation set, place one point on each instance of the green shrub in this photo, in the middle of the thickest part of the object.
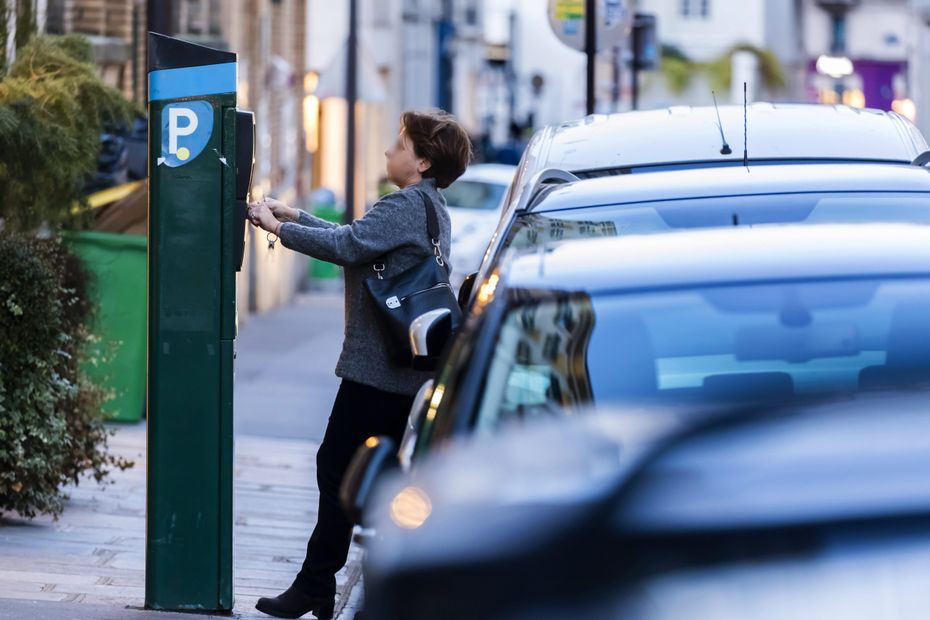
(53, 108)
(51, 426)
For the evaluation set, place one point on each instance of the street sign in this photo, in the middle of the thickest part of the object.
(614, 20)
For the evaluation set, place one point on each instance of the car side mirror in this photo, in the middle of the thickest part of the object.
(429, 333)
(468, 285)
(371, 459)
(414, 423)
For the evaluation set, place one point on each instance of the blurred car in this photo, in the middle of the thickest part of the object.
(810, 510)
(701, 317)
(474, 202)
(715, 315)
(629, 145)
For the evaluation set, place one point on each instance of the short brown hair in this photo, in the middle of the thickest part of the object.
(438, 137)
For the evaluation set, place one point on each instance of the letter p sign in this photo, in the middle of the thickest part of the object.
(186, 130)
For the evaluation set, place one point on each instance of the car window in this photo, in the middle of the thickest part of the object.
(465, 194)
(722, 344)
(535, 228)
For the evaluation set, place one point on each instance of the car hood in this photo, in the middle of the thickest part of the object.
(488, 495)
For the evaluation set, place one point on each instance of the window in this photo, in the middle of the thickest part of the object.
(695, 8)
(198, 17)
(464, 194)
(708, 345)
(534, 229)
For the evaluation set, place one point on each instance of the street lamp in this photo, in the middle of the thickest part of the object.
(836, 64)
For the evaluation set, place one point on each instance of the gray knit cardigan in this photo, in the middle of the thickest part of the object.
(393, 232)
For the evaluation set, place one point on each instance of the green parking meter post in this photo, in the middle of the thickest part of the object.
(193, 221)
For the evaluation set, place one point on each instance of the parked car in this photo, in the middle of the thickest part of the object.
(626, 145)
(805, 510)
(700, 198)
(704, 316)
(551, 206)
(474, 202)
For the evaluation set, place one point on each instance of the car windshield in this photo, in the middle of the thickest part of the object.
(470, 194)
(536, 228)
(711, 345)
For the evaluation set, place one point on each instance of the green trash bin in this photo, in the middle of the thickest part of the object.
(324, 206)
(118, 264)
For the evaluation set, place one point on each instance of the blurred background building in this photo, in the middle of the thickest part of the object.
(859, 52)
(499, 66)
(292, 67)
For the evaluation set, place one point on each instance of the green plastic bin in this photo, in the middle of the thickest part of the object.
(118, 264)
(319, 269)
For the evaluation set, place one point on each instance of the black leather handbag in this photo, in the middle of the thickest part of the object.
(400, 299)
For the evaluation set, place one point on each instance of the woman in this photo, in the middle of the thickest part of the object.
(375, 396)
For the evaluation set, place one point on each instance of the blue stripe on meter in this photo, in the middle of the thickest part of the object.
(192, 81)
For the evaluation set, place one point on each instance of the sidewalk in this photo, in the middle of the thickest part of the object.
(90, 564)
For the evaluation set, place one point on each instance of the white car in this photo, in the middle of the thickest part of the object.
(678, 138)
(474, 202)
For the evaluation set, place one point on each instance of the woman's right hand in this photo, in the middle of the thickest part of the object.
(281, 211)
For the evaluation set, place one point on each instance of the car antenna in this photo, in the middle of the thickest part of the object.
(745, 128)
(725, 149)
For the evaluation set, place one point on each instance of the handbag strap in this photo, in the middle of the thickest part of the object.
(432, 221)
(432, 228)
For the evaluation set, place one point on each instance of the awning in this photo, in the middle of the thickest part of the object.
(333, 80)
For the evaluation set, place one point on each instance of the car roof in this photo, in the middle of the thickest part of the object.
(489, 173)
(722, 256)
(690, 134)
(735, 181)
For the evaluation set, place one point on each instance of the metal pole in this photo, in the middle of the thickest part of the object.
(590, 50)
(445, 35)
(615, 90)
(634, 96)
(351, 100)
(161, 17)
(510, 71)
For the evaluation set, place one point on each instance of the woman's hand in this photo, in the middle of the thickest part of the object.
(260, 215)
(281, 211)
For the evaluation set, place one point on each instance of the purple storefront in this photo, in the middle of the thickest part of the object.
(880, 84)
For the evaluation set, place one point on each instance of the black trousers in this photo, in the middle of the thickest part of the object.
(360, 412)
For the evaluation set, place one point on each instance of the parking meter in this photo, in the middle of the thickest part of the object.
(198, 187)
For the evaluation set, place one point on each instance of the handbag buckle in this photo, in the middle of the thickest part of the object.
(437, 250)
(378, 267)
(392, 302)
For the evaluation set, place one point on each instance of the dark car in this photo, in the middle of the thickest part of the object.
(809, 510)
(625, 210)
(718, 315)
(702, 317)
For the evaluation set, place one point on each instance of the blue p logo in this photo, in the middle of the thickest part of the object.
(186, 128)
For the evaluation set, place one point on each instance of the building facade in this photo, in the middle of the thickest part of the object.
(292, 65)
(413, 54)
(858, 52)
(741, 34)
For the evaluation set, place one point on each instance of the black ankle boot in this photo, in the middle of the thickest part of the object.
(292, 603)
